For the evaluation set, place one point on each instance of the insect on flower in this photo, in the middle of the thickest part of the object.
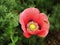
(34, 23)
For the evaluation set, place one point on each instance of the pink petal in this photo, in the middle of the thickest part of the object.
(29, 14)
(26, 34)
(45, 27)
(43, 33)
(43, 16)
(22, 22)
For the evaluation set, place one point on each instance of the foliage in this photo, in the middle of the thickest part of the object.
(10, 31)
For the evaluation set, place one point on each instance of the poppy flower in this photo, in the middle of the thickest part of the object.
(34, 23)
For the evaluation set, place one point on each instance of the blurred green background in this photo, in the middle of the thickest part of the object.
(10, 29)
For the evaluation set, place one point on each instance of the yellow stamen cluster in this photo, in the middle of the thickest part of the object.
(32, 26)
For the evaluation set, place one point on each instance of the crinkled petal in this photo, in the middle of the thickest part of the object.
(43, 16)
(44, 30)
(45, 27)
(28, 14)
(26, 34)
(22, 22)
(43, 33)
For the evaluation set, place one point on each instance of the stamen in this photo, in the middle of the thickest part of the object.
(32, 26)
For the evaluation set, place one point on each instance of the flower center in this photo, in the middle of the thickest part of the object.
(32, 26)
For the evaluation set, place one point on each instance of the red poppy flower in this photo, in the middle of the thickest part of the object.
(34, 23)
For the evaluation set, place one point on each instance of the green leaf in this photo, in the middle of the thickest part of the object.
(12, 19)
(15, 39)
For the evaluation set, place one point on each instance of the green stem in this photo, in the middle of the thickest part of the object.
(41, 41)
(29, 41)
(12, 40)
